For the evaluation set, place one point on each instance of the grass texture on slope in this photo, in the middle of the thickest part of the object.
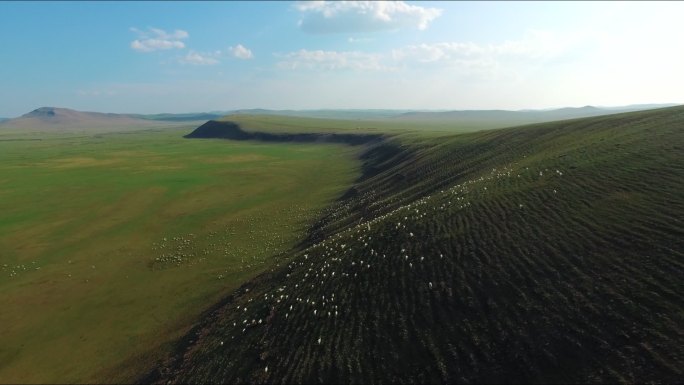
(545, 253)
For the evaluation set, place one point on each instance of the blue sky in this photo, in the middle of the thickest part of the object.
(151, 57)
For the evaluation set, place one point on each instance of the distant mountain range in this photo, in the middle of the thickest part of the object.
(528, 116)
(471, 120)
(68, 119)
(325, 113)
(522, 116)
(186, 117)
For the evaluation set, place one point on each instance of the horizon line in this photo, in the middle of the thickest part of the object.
(228, 111)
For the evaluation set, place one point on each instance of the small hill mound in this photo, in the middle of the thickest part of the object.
(53, 119)
(65, 116)
(545, 253)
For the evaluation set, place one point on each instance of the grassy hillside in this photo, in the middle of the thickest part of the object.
(544, 253)
(297, 124)
(423, 122)
(111, 245)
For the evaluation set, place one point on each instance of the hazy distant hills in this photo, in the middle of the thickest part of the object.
(325, 113)
(66, 120)
(562, 113)
(515, 117)
(188, 117)
(64, 116)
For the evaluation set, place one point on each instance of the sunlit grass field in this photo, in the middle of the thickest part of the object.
(296, 124)
(111, 245)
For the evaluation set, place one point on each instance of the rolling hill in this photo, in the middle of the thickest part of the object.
(506, 118)
(189, 117)
(326, 114)
(551, 252)
(52, 119)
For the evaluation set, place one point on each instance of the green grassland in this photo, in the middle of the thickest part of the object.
(549, 253)
(112, 245)
(434, 253)
(296, 124)
(426, 123)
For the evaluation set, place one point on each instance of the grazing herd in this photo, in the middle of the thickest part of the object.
(521, 255)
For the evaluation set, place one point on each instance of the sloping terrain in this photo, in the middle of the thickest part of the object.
(507, 118)
(452, 121)
(424, 123)
(546, 253)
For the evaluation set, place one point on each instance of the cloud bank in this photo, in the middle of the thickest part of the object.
(363, 16)
(329, 60)
(535, 48)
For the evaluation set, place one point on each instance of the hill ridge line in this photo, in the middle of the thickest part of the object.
(230, 130)
(550, 254)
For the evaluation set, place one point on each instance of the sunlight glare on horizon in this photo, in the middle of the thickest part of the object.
(154, 57)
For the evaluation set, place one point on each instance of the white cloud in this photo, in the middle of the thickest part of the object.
(537, 45)
(157, 39)
(363, 16)
(514, 57)
(513, 60)
(197, 58)
(426, 53)
(330, 60)
(241, 52)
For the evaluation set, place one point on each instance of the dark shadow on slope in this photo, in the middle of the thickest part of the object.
(230, 130)
(380, 155)
(534, 286)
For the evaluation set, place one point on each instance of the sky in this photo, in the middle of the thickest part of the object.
(154, 57)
